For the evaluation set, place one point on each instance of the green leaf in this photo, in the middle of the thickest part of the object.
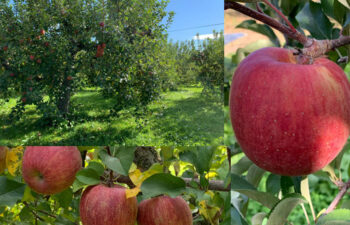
(10, 191)
(273, 183)
(200, 157)
(312, 18)
(282, 209)
(121, 160)
(163, 183)
(88, 176)
(241, 166)
(345, 3)
(327, 7)
(336, 217)
(96, 166)
(254, 175)
(258, 218)
(64, 198)
(244, 187)
(260, 28)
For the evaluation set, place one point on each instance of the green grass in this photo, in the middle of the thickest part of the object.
(183, 117)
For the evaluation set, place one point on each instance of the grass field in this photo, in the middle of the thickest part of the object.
(183, 117)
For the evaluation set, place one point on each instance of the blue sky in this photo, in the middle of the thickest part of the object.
(195, 13)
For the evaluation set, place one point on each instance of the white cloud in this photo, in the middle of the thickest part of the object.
(203, 37)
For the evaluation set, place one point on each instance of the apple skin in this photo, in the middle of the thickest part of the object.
(3, 153)
(103, 205)
(163, 210)
(289, 119)
(50, 169)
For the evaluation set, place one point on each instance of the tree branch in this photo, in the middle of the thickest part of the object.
(269, 21)
(312, 48)
(343, 189)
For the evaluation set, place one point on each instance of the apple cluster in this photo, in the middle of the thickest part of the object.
(51, 169)
(289, 118)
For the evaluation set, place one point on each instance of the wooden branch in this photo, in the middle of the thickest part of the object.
(343, 189)
(312, 48)
(269, 21)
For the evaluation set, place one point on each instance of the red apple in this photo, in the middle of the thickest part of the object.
(42, 32)
(3, 153)
(50, 169)
(103, 45)
(38, 61)
(102, 24)
(24, 99)
(5, 48)
(47, 44)
(164, 210)
(102, 205)
(289, 118)
(12, 74)
(69, 78)
(31, 57)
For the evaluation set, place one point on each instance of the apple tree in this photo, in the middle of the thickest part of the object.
(313, 32)
(49, 49)
(181, 185)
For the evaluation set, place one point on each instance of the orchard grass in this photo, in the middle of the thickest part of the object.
(182, 117)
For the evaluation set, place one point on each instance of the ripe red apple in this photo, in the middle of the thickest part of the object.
(38, 61)
(103, 45)
(103, 205)
(102, 24)
(47, 44)
(3, 153)
(5, 48)
(24, 99)
(12, 74)
(50, 169)
(42, 32)
(289, 118)
(31, 57)
(163, 210)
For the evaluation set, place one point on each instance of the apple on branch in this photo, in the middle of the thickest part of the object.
(289, 118)
(164, 210)
(104, 205)
(50, 169)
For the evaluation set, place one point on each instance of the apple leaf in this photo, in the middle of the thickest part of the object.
(260, 28)
(10, 191)
(282, 209)
(312, 18)
(163, 183)
(64, 198)
(258, 218)
(244, 187)
(241, 166)
(122, 161)
(201, 158)
(88, 176)
(254, 175)
(273, 183)
(336, 217)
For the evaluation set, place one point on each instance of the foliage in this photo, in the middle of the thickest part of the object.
(166, 175)
(258, 196)
(47, 48)
(209, 59)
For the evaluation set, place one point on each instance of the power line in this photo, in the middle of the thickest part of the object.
(192, 28)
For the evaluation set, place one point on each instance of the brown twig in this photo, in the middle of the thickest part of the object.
(343, 189)
(280, 14)
(312, 48)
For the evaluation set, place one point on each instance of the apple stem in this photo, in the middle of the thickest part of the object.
(280, 14)
(312, 48)
(343, 190)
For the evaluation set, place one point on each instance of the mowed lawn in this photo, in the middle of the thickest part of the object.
(183, 117)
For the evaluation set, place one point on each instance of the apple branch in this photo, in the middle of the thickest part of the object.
(343, 190)
(312, 48)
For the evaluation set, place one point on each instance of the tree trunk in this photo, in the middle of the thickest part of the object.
(64, 98)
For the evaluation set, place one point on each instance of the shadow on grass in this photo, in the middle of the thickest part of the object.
(192, 120)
